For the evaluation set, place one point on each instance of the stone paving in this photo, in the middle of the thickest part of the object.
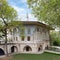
(5, 58)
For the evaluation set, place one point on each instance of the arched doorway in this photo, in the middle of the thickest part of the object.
(14, 49)
(27, 48)
(40, 48)
(2, 52)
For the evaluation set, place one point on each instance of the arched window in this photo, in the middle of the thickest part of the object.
(14, 31)
(29, 31)
(22, 38)
(28, 38)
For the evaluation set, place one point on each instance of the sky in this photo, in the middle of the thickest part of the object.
(22, 9)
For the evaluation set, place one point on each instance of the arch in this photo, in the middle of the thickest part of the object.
(27, 48)
(14, 49)
(2, 52)
(40, 48)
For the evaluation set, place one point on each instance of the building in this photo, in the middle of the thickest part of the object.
(31, 37)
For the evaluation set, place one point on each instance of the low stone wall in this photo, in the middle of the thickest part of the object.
(52, 52)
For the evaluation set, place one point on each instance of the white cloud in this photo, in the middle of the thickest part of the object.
(22, 12)
(30, 17)
(19, 9)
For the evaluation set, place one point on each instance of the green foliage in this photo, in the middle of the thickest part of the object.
(46, 10)
(55, 43)
(55, 36)
(7, 16)
(7, 12)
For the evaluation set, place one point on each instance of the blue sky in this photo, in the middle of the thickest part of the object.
(22, 8)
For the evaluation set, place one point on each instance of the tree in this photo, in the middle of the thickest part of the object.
(46, 10)
(55, 36)
(7, 17)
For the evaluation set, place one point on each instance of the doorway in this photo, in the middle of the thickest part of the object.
(1, 52)
(14, 49)
(27, 48)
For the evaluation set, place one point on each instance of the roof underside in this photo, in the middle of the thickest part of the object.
(37, 23)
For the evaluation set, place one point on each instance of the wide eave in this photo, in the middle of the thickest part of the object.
(37, 23)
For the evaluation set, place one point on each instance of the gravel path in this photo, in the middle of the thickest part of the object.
(6, 58)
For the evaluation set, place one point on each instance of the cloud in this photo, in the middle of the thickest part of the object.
(32, 18)
(22, 12)
(19, 9)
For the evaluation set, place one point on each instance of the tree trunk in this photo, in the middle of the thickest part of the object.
(5, 36)
(6, 42)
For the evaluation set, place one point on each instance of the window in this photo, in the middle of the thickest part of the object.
(28, 38)
(22, 32)
(45, 32)
(0, 42)
(22, 38)
(11, 32)
(14, 31)
(29, 31)
(38, 29)
(16, 38)
(39, 49)
(10, 40)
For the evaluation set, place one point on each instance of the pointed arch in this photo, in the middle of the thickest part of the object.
(27, 48)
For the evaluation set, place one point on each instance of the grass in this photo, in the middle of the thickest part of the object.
(44, 56)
